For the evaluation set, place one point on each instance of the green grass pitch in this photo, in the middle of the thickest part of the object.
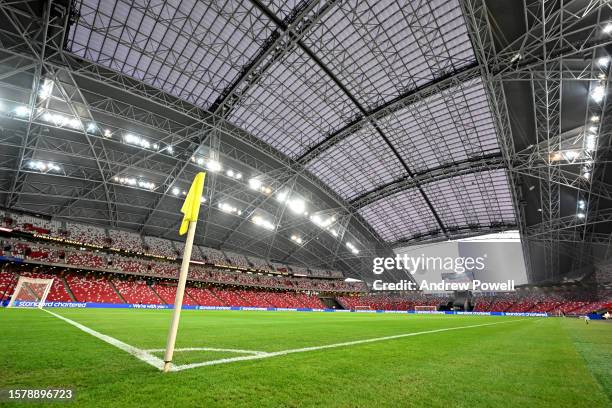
(532, 362)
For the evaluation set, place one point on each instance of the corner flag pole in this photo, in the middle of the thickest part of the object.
(190, 209)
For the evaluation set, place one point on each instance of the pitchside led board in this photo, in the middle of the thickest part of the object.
(502, 258)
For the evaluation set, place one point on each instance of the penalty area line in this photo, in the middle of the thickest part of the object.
(327, 346)
(140, 354)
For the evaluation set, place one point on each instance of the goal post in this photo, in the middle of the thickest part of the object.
(31, 290)
(425, 308)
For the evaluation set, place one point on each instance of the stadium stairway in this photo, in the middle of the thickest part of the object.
(67, 287)
(116, 291)
(214, 295)
(161, 300)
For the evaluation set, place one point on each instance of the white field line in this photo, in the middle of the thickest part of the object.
(136, 352)
(147, 357)
(209, 349)
(327, 346)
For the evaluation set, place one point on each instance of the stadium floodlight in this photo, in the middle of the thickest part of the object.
(586, 174)
(581, 204)
(146, 185)
(255, 184)
(176, 191)
(30, 292)
(46, 89)
(352, 248)
(603, 61)
(297, 239)
(590, 143)
(137, 141)
(282, 196)
(607, 28)
(595, 118)
(60, 120)
(213, 165)
(22, 111)
(580, 215)
(43, 166)
(107, 133)
(296, 205)
(320, 222)
(570, 155)
(234, 174)
(230, 209)
(91, 127)
(170, 149)
(262, 222)
(598, 93)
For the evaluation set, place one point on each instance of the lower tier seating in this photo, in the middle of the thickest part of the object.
(105, 287)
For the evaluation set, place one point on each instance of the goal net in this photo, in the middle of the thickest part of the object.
(425, 308)
(30, 292)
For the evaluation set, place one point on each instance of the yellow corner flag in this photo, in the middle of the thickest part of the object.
(191, 206)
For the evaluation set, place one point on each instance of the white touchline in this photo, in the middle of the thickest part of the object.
(327, 346)
(136, 352)
(147, 357)
(238, 351)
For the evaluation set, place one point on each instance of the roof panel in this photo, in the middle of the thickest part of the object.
(400, 216)
(447, 127)
(481, 198)
(293, 106)
(383, 48)
(207, 41)
(357, 164)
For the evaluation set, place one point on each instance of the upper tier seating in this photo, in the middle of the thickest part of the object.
(279, 267)
(129, 264)
(196, 255)
(259, 263)
(166, 269)
(85, 259)
(35, 225)
(319, 272)
(159, 247)
(128, 241)
(87, 234)
(299, 269)
(213, 256)
(237, 260)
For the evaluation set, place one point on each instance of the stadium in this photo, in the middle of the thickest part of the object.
(344, 203)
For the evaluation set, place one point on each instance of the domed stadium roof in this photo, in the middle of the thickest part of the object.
(331, 131)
